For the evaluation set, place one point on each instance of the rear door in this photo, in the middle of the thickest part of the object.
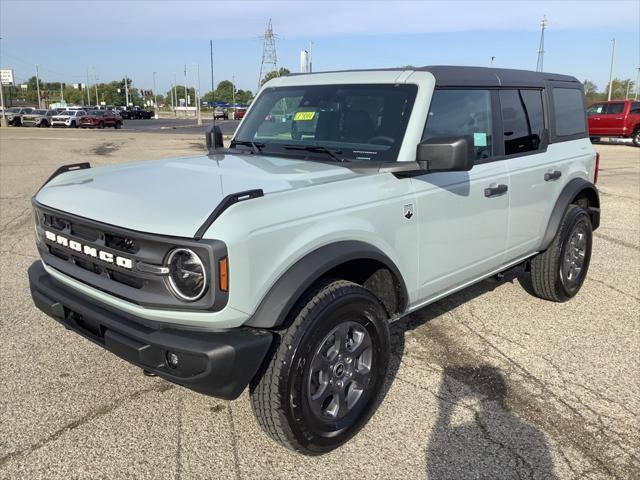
(462, 216)
(612, 121)
(535, 174)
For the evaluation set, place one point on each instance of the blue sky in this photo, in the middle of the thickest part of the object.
(136, 38)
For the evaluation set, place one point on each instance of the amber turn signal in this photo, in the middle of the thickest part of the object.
(223, 274)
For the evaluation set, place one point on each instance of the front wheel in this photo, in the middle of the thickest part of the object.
(325, 378)
(558, 273)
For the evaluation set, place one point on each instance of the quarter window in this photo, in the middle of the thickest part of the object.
(568, 108)
(456, 113)
(522, 120)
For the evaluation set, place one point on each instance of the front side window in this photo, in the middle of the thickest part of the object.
(522, 120)
(457, 113)
(597, 109)
(615, 108)
(355, 122)
(568, 108)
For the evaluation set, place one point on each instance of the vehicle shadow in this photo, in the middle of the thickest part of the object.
(476, 435)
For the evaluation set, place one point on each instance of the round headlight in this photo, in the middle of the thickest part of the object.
(187, 275)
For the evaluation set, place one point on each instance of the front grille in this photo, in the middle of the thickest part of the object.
(75, 246)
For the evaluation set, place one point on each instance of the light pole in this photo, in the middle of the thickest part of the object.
(155, 96)
(126, 91)
(196, 92)
(87, 88)
(613, 56)
(38, 87)
(3, 119)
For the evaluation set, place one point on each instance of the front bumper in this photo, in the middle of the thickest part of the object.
(220, 363)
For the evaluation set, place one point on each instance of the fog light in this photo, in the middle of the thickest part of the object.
(172, 360)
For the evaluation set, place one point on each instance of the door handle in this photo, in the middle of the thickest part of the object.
(494, 191)
(619, 118)
(552, 175)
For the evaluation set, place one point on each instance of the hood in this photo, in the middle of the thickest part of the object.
(175, 196)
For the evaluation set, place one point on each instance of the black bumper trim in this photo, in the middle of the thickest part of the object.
(219, 363)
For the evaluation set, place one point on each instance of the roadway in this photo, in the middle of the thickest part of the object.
(178, 125)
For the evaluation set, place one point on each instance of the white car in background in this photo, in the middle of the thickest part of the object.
(68, 118)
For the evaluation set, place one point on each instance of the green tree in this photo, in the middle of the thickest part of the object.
(281, 72)
(620, 88)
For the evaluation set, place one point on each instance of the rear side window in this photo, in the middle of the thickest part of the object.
(568, 108)
(456, 113)
(615, 108)
(635, 107)
(522, 120)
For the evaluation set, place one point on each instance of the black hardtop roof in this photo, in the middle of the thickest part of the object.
(450, 75)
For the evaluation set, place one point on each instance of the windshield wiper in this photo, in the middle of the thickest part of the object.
(255, 147)
(318, 149)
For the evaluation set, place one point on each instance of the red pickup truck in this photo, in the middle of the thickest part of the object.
(617, 118)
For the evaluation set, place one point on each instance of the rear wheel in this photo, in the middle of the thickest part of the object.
(117, 125)
(558, 273)
(324, 381)
(636, 137)
(101, 125)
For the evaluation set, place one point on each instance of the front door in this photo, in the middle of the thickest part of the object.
(462, 216)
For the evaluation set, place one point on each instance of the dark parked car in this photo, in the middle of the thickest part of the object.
(617, 118)
(136, 113)
(101, 119)
(14, 115)
(38, 118)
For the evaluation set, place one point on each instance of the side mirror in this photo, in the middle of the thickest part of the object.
(446, 154)
(213, 136)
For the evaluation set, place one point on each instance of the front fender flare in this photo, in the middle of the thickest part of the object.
(286, 291)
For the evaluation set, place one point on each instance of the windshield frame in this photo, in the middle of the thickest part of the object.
(384, 154)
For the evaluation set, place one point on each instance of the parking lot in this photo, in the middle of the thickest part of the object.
(488, 383)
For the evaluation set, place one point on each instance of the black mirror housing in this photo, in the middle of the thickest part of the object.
(446, 154)
(213, 136)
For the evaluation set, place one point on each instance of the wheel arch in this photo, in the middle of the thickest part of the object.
(578, 191)
(356, 261)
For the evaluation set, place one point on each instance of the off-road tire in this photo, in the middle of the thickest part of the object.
(548, 277)
(280, 395)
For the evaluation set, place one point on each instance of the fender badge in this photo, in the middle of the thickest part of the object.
(408, 211)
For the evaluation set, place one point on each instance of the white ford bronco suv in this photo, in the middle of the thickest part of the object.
(345, 201)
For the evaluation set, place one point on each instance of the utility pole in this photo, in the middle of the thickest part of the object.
(613, 56)
(543, 26)
(213, 85)
(155, 97)
(186, 92)
(269, 56)
(175, 93)
(233, 89)
(95, 84)
(3, 119)
(196, 92)
(61, 92)
(87, 88)
(126, 91)
(38, 87)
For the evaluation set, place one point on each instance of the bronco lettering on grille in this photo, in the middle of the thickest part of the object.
(89, 251)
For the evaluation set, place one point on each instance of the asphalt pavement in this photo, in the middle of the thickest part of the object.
(489, 383)
(178, 125)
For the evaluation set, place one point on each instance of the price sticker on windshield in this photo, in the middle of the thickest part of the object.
(304, 116)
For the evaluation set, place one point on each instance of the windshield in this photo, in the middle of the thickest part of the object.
(356, 122)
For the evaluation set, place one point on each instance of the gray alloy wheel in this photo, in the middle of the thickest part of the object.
(339, 372)
(573, 261)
